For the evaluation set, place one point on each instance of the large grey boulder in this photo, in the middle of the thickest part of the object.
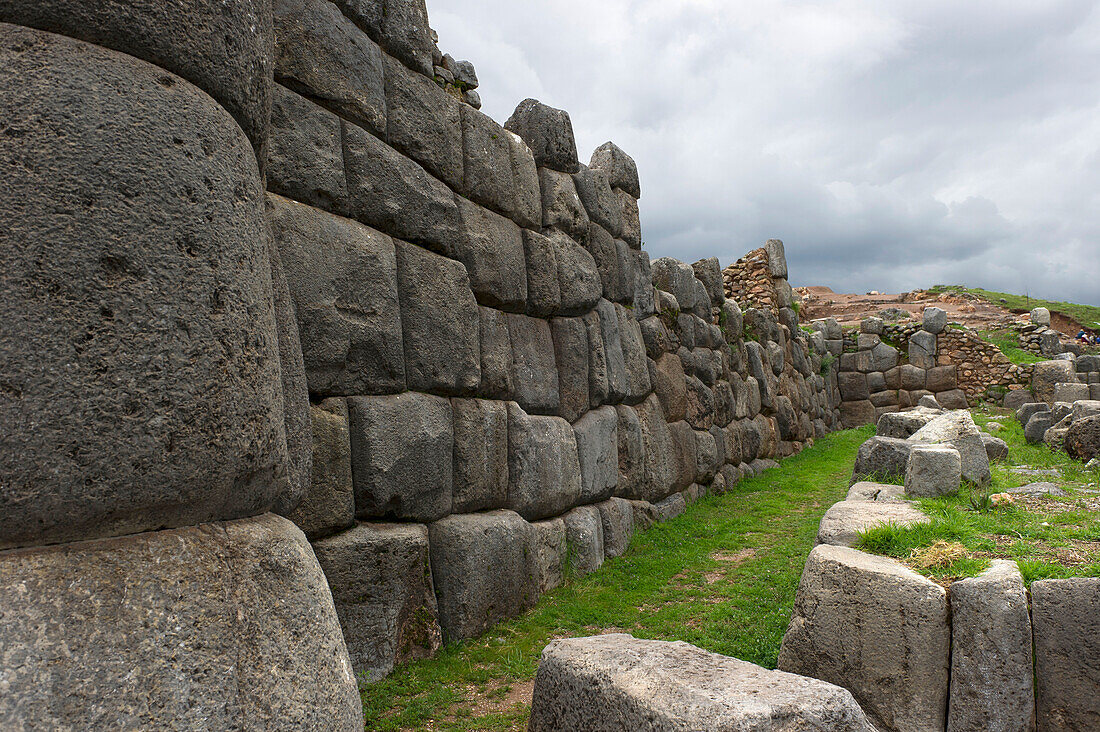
(217, 626)
(617, 522)
(1017, 398)
(1037, 426)
(328, 505)
(617, 682)
(670, 386)
(777, 258)
(1082, 441)
(958, 430)
(490, 175)
(598, 453)
(675, 277)
(882, 458)
(670, 507)
(631, 451)
(1046, 375)
(902, 425)
(491, 249)
(933, 470)
(543, 289)
(544, 477)
(141, 355)
(549, 134)
(402, 449)
(843, 522)
(305, 160)
(483, 570)
(896, 665)
(1040, 316)
(709, 272)
(614, 262)
(343, 280)
(621, 170)
(321, 54)
(480, 455)
(991, 662)
(440, 323)
(1066, 617)
(381, 584)
(548, 554)
(922, 349)
(225, 51)
(584, 539)
(635, 366)
(934, 320)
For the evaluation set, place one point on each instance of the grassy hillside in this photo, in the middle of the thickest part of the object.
(1087, 315)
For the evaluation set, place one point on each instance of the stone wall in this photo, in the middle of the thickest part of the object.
(153, 407)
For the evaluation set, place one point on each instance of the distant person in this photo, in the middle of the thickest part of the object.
(1083, 337)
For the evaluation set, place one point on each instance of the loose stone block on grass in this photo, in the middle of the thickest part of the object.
(841, 524)
(933, 470)
(617, 682)
(872, 626)
(958, 430)
(882, 458)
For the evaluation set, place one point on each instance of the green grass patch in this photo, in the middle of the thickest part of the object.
(1008, 343)
(1086, 315)
(1049, 537)
(721, 576)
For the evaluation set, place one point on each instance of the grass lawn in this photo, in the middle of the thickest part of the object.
(1086, 315)
(721, 576)
(1049, 537)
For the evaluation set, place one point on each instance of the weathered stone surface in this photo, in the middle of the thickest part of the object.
(601, 204)
(483, 570)
(1046, 375)
(707, 458)
(489, 174)
(896, 666)
(958, 430)
(548, 553)
(934, 320)
(777, 258)
(396, 195)
(401, 456)
(399, 26)
(658, 451)
(598, 453)
(670, 387)
(645, 303)
(676, 278)
(1082, 440)
(1070, 392)
(856, 414)
(953, 399)
(534, 368)
(882, 458)
(670, 507)
(584, 538)
(929, 401)
(616, 682)
(491, 248)
(866, 491)
(543, 290)
(853, 386)
(684, 454)
(903, 424)
(615, 264)
(645, 514)
(995, 448)
(1065, 615)
(543, 470)
(612, 366)
(423, 122)
(167, 605)
(480, 455)
(578, 279)
(622, 171)
(439, 321)
(991, 664)
(528, 194)
(1040, 316)
(883, 357)
(1017, 398)
(709, 272)
(571, 356)
(933, 470)
(635, 366)
(841, 524)
(617, 522)
(306, 156)
(700, 404)
(381, 585)
(224, 51)
(549, 134)
(1026, 411)
(343, 280)
(922, 349)
(328, 505)
(631, 452)
(940, 378)
(561, 206)
(1036, 428)
(141, 355)
(496, 354)
(320, 54)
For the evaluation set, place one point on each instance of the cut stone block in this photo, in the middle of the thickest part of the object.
(935, 320)
(440, 323)
(549, 551)
(543, 470)
(491, 248)
(922, 349)
(571, 356)
(867, 491)
(1065, 615)
(933, 470)
(329, 504)
(882, 458)
(306, 155)
(496, 355)
(543, 290)
(904, 633)
(622, 171)
(548, 132)
(1046, 375)
(480, 455)
(79, 621)
(843, 522)
(618, 682)
(381, 584)
(584, 537)
(483, 570)
(534, 369)
(991, 662)
(617, 521)
(598, 453)
(561, 206)
(402, 456)
(958, 430)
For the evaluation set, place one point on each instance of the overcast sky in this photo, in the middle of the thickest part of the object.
(891, 145)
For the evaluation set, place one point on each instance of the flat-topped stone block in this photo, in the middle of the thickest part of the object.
(843, 522)
(933, 470)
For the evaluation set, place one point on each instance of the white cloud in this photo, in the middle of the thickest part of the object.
(891, 145)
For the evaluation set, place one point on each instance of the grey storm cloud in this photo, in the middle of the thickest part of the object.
(890, 145)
